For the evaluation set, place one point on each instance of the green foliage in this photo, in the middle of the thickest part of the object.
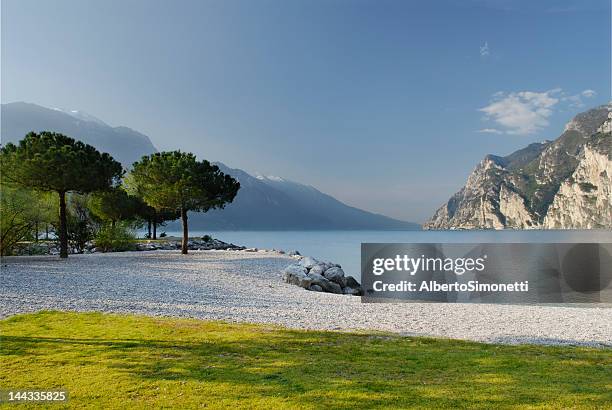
(159, 218)
(115, 238)
(602, 142)
(125, 361)
(165, 215)
(114, 205)
(81, 227)
(587, 187)
(15, 222)
(54, 162)
(153, 217)
(176, 180)
(22, 213)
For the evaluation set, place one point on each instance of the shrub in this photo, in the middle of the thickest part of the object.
(207, 238)
(587, 187)
(115, 238)
(80, 226)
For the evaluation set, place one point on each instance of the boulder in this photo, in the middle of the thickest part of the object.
(311, 274)
(326, 284)
(351, 283)
(335, 274)
(295, 269)
(317, 269)
(308, 262)
(296, 275)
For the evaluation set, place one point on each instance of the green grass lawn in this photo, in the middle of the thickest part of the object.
(119, 361)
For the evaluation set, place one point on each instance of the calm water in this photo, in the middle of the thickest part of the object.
(344, 247)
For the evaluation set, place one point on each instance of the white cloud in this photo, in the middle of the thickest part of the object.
(575, 101)
(484, 49)
(524, 112)
(490, 131)
(527, 112)
(589, 93)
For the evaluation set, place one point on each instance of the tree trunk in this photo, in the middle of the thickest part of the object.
(185, 231)
(36, 232)
(63, 229)
(154, 224)
(149, 228)
(46, 231)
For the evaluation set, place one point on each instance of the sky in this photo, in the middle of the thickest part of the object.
(386, 105)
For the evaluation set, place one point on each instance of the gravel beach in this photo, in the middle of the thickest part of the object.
(247, 287)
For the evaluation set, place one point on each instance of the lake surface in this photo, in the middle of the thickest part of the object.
(344, 247)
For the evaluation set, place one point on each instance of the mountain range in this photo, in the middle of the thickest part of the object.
(263, 203)
(560, 184)
(274, 203)
(125, 144)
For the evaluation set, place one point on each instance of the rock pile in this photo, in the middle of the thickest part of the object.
(312, 274)
(52, 248)
(39, 248)
(204, 244)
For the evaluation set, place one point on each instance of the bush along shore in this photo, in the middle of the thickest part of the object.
(318, 276)
(53, 248)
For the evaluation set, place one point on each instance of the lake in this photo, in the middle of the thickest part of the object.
(344, 247)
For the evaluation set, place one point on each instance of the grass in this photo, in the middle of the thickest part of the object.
(124, 361)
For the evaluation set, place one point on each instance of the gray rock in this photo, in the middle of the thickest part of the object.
(329, 277)
(308, 262)
(296, 275)
(326, 284)
(294, 253)
(335, 288)
(334, 274)
(351, 282)
(317, 269)
(350, 291)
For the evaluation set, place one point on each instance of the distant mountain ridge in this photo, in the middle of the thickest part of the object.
(263, 203)
(273, 203)
(560, 184)
(125, 144)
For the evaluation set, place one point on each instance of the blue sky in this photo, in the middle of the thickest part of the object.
(387, 105)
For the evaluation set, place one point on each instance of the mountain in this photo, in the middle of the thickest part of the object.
(273, 203)
(560, 184)
(263, 203)
(124, 144)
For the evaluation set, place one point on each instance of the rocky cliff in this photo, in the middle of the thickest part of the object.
(561, 184)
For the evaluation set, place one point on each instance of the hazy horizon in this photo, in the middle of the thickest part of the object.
(386, 106)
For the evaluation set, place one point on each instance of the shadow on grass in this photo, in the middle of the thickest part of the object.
(321, 369)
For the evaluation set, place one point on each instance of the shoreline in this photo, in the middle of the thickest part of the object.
(241, 286)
